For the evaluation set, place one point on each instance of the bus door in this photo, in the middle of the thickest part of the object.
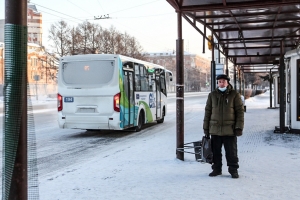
(128, 99)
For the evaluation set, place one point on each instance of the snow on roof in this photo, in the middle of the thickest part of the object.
(165, 53)
(33, 44)
(33, 8)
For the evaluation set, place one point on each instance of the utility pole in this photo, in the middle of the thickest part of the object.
(14, 175)
(179, 90)
(102, 17)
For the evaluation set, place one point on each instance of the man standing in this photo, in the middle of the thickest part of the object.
(224, 120)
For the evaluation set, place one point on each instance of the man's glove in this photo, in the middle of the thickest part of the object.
(238, 132)
(206, 132)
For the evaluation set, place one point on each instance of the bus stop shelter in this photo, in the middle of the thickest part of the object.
(253, 35)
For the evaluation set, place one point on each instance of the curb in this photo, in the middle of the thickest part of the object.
(51, 105)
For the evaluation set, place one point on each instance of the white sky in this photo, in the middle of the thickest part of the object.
(152, 22)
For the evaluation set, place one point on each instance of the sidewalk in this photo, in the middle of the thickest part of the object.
(42, 102)
(147, 168)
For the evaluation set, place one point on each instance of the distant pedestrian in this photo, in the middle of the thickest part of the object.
(224, 120)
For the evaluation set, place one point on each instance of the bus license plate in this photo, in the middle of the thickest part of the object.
(69, 99)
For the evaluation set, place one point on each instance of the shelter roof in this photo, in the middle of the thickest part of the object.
(249, 32)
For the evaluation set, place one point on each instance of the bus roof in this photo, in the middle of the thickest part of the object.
(152, 65)
(110, 56)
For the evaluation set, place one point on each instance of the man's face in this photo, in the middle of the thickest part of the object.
(222, 83)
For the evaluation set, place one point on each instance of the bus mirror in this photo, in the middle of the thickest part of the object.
(150, 79)
(151, 71)
(170, 75)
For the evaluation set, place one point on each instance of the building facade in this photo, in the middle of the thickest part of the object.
(41, 66)
(34, 26)
(41, 69)
(196, 69)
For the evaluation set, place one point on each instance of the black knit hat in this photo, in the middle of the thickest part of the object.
(223, 76)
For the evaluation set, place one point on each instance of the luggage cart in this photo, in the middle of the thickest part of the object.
(187, 148)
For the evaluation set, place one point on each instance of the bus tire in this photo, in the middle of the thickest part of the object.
(163, 118)
(140, 122)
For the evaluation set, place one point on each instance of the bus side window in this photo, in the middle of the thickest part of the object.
(162, 84)
(144, 79)
(137, 77)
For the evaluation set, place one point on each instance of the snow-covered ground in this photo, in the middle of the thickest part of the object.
(147, 168)
(40, 100)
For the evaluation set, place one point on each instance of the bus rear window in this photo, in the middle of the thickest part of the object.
(88, 72)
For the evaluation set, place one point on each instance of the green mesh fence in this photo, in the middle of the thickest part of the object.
(15, 100)
(33, 189)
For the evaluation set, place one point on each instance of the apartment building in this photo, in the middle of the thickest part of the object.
(41, 66)
(34, 26)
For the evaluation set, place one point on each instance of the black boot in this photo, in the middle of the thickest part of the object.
(215, 173)
(234, 175)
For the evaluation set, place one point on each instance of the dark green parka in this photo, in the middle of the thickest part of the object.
(224, 112)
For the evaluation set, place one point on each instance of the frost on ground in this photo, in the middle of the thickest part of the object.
(288, 140)
(145, 167)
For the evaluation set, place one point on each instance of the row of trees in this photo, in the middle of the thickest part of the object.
(261, 79)
(90, 38)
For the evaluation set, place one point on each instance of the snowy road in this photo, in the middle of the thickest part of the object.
(77, 165)
(61, 148)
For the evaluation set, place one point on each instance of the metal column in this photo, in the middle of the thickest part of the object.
(270, 86)
(226, 70)
(179, 90)
(14, 180)
(282, 91)
(240, 81)
(234, 76)
(213, 66)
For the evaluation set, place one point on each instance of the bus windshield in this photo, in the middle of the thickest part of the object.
(93, 72)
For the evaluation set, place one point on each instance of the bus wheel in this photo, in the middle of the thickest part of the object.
(140, 123)
(163, 118)
(92, 129)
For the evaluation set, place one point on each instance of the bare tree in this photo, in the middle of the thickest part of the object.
(125, 40)
(254, 79)
(74, 41)
(88, 38)
(134, 48)
(83, 35)
(119, 44)
(111, 39)
(105, 42)
(93, 36)
(59, 34)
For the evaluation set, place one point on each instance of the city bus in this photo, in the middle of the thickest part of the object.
(110, 92)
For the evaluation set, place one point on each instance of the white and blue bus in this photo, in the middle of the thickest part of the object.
(110, 92)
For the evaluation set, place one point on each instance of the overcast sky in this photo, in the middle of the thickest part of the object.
(152, 22)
